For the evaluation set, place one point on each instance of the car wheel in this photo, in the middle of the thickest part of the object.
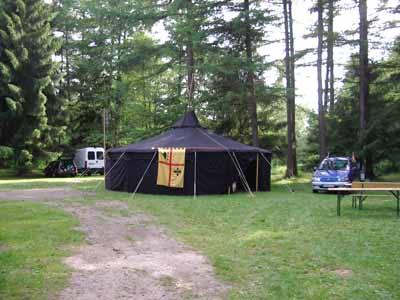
(315, 191)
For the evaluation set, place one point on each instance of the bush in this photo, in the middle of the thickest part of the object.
(386, 167)
(310, 162)
(6, 156)
(24, 161)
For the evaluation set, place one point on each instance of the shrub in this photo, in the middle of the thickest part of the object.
(24, 161)
(6, 156)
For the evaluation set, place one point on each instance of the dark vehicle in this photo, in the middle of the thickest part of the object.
(61, 167)
(334, 172)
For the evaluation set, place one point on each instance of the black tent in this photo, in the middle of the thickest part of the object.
(212, 163)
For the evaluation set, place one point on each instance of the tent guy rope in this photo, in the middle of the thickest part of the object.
(238, 168)
(105, 175)
(144, 174)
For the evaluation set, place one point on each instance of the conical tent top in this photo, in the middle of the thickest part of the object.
(188, 120)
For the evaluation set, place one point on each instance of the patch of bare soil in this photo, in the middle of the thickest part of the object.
(4, 248)
(129, 258)
(343, 273)
(41, 194)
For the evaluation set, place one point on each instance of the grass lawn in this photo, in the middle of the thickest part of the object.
(31, 236)
(282, 245)
(289, 246)
(36, 179)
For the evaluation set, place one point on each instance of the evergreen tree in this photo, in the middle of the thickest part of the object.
(234, 68)
(26, 70)
(384, 109)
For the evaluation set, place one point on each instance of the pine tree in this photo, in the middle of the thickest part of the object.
(26, 68)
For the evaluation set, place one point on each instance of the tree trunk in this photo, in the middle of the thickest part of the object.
(292, 90)
(330, 62)
(291, 167)
(190, 75)
(288, 106)
(250, 85)
(321, 106)
(180, 74)
(326, 88)
(364, 87)
(190, 58)
(67, 65)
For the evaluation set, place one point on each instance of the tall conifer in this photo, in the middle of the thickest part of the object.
(26, 67)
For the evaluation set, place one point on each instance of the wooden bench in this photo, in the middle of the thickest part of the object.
(360, 191)
(361, 196)
(374, 184)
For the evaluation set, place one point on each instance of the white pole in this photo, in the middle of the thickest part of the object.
(104, 145)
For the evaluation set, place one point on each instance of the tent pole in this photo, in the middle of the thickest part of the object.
(104, 145)
(257, 173)
(195, 175)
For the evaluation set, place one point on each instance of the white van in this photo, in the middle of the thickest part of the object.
(90, 160)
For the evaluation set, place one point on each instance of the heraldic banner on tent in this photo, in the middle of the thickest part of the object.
(171, 167)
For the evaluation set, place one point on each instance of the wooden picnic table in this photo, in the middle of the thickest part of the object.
(361, 193)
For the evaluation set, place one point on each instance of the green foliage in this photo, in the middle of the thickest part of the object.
(24, 161)
(110, 63)
(6, 156)
(110, 60)
(26, 71)
(383, 124)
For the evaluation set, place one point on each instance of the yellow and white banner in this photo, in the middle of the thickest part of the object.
(171, 167)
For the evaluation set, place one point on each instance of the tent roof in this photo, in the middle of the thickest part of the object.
(189, 120)
(187, 132)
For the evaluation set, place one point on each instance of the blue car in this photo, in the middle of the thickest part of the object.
(334, 172)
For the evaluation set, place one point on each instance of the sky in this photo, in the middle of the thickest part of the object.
(306, 77)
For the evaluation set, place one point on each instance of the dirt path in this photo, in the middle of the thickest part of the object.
(41, 194)
(127, 256)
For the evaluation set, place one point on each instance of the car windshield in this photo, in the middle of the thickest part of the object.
(334, 164)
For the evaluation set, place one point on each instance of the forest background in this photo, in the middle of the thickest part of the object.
(65, 66)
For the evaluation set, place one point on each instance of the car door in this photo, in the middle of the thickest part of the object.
(99, 159)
